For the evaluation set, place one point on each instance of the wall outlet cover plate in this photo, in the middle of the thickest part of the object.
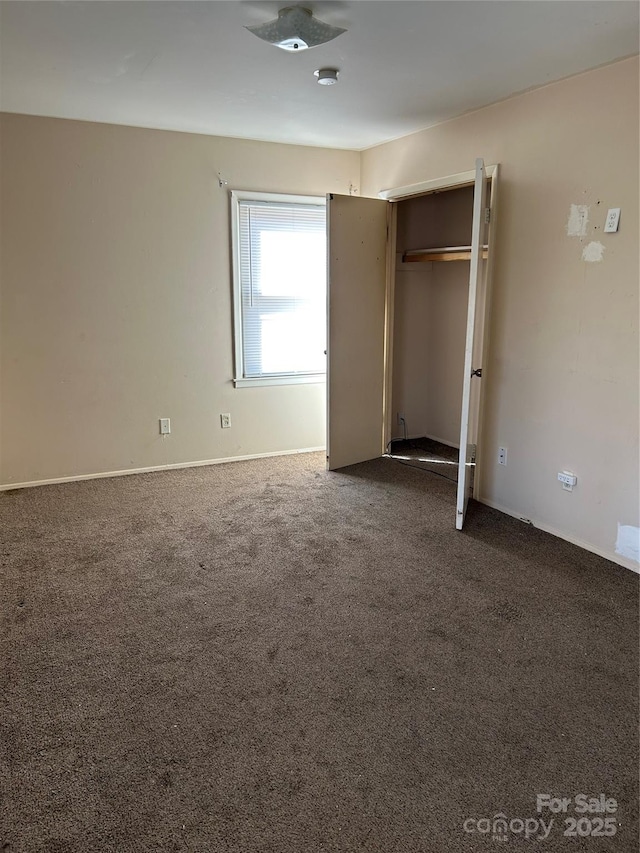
(613, 219)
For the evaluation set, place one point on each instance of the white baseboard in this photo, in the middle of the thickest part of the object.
(408, 438)
(611, 556)
(422, 435)
(443, 441)
(172, 467)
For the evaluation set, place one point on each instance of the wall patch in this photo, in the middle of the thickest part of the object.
(628, 542)
(593, 252)
(578, 220)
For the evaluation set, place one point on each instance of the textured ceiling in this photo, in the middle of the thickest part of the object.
(193, 66)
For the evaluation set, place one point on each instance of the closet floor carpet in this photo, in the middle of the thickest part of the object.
(427, 455)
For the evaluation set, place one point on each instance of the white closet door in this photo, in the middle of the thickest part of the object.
(475, 313)
(357, 241)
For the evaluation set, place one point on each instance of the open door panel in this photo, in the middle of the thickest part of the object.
(473, 346)
(356, 290)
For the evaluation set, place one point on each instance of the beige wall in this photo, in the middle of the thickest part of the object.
(116, 297)
(561, 378)
(430, 321)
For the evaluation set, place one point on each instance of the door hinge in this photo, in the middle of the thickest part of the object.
(477, 372)
(472, 453)
(487, 215)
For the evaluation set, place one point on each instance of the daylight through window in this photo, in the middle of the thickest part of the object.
(280, 289)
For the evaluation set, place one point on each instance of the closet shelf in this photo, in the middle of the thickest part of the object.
(443, 253)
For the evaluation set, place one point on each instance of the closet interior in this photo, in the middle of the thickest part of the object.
(433, 237)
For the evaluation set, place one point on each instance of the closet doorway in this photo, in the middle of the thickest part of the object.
(408, 284)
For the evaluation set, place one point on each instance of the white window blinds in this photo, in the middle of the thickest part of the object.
(282, 288)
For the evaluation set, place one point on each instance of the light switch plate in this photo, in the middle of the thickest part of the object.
(613, 218)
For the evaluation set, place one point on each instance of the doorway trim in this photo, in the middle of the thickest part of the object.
(460, 179)
(397, 194)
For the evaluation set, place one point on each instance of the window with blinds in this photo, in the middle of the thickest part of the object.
(279, 288)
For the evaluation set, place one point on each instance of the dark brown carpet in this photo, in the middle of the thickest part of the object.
(263, 656)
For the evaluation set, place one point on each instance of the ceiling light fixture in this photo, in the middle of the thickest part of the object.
(295, 28)
(327, 76)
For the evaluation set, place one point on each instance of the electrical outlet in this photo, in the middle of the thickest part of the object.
(225, 421)
(165, 426)
(613, 218)
(502, 456)
(568, 480)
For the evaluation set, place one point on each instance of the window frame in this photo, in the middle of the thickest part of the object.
(239, 379)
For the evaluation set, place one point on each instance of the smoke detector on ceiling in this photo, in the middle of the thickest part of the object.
(327, 76)
(294, 29)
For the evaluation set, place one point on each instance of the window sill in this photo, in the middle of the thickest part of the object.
(302, 379)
